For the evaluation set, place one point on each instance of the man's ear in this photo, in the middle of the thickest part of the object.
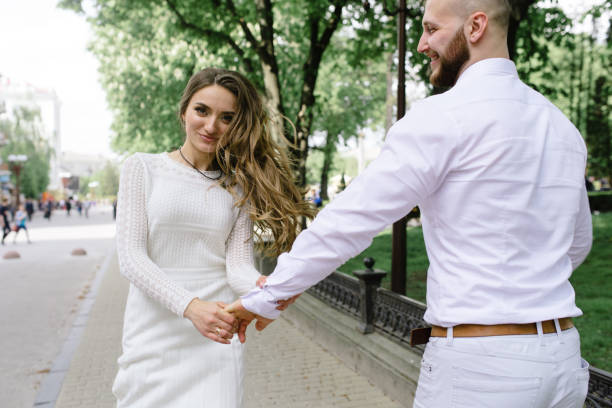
(478, 24)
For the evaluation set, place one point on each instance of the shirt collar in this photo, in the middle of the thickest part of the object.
(500, 66)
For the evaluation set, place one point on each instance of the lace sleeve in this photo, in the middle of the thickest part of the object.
(241, 272)
(132, 231)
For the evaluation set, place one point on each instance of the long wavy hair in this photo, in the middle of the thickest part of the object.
(256, 169)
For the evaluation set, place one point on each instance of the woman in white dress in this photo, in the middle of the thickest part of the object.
(185, 241)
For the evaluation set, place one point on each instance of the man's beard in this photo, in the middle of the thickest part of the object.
(455, 55)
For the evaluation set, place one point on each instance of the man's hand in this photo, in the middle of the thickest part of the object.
(246, 318)
(282, 304)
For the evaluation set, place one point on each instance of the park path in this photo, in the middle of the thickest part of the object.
(62, 319)
(41, 294)
(283, 367)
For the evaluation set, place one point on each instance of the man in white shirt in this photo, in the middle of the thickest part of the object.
(498, 173)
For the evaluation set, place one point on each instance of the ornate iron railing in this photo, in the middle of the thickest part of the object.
(339, 290)
(395, 315)
(600, 389)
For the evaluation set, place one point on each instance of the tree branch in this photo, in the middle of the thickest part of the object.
(519, 12)
(264, 48)
(411, 11)
(245, 28)
(332, 24)
(266, 24)
(214, 34)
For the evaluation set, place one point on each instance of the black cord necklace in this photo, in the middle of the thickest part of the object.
(196, 169)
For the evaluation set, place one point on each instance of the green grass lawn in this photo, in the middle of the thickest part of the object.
(592, 282)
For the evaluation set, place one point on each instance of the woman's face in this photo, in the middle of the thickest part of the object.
(208, 115)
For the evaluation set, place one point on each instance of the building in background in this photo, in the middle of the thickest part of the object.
(5, 174)
(17, 93)
(77, 167)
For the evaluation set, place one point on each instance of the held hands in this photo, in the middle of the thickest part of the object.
(219, 321)
(245, 317)
(210, 319)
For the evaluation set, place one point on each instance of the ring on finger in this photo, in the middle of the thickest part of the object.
(218, 330)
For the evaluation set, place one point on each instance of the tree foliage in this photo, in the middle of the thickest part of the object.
(293, 51)
(572, 69)
(599, 130)
(24, 131)
(349, 98)
(533, 23)
(107, 180)
(148, 50)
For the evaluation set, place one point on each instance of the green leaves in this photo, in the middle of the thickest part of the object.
(148, 49)
(24, 134)
(571, 69)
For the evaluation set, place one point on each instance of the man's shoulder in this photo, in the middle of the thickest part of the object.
(442, 104)
(433, 110)
(536, 98)
(432, 115)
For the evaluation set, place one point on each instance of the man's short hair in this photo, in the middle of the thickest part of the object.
(498, 11)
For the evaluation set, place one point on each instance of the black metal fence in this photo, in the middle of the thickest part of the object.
(396, 315)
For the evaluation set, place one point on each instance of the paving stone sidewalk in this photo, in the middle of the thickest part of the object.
(283, 367)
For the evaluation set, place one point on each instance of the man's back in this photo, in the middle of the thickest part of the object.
(500, 226)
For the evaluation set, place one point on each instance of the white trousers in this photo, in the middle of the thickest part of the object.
(527, 371)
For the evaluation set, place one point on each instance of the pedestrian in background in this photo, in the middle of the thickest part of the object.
(86, 207)
(20, 224)
(48, 209)
(68, 206)
(4, 210)
(29, 208)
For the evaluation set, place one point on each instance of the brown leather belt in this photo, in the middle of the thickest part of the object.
(479, 330)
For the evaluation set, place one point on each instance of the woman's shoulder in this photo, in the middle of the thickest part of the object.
(144, 159)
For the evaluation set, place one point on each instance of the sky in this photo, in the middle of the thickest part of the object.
(47, 47)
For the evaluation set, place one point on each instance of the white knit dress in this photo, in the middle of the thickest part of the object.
(179, 236)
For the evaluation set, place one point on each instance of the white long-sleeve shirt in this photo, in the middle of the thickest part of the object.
(498, 173)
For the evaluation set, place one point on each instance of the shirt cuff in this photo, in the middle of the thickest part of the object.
(261, 302)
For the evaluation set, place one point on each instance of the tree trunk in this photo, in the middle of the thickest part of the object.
(580, 90)
(390, 100)
(519, 12)
(299, 150)
(598, 128)
(572, 85)
(303, 121)
(269, 67)
(328, 155)
(273, 101)
(589, 81)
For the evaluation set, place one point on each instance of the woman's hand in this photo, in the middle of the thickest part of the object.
(211, 320)
(261, 281)
(282, 304)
